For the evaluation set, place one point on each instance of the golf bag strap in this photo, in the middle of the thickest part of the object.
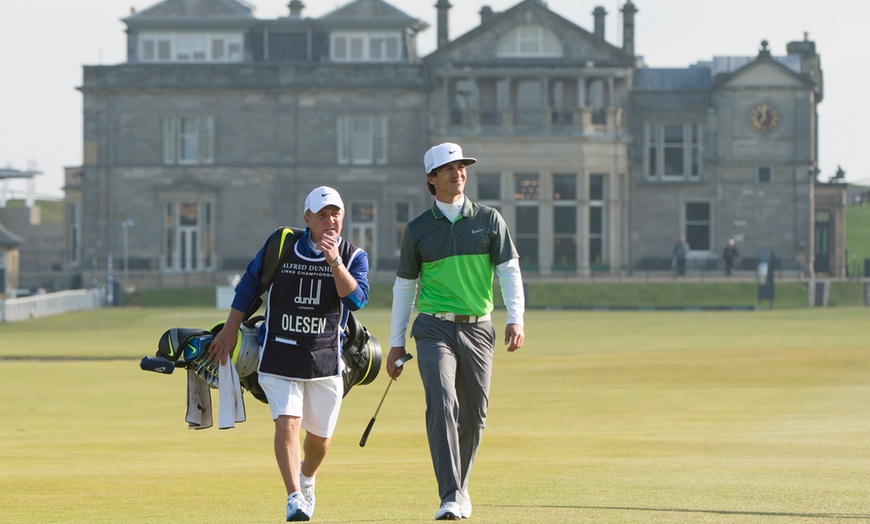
(282, 238)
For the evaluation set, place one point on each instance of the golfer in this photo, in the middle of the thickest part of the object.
(322, 278)
(454, 249)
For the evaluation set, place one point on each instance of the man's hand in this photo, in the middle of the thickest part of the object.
(328, 245)
(224, 343)
(395, 354)
(514, 337)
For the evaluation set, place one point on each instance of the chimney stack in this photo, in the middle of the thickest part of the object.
(296, 7)
(628, 12)
(598, 15)
(443, 7)
(486, 13)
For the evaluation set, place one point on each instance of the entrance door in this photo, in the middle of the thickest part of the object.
(188, 236)
(188, 248)
(822, 258)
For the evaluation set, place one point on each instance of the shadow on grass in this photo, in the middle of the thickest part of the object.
(805, 515)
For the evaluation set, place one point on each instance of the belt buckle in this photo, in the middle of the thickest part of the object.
(462, 319)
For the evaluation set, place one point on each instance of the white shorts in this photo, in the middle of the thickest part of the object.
(316, 402)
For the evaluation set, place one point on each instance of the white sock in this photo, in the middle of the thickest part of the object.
(306, 481)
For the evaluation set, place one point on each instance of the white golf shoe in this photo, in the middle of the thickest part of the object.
(297, 508)
(465, 508)
(449, 511)
(308, 493)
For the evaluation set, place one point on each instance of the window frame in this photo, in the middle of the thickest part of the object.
(692, 223)
(570, 234)
(597, 205)
(526, 196)
(657, 147)
(179, 140)
(190, 47)
(174, 257)
(759, 177)
(382, 47)
(358, 146)
(530, 41)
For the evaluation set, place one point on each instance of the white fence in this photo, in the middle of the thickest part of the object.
(15, 309)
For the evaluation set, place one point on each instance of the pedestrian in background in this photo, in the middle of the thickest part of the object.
(731, 256)
(681, 251)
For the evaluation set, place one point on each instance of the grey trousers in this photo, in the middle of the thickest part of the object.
(455, 363)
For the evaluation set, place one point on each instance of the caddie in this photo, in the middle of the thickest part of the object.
(321, 279)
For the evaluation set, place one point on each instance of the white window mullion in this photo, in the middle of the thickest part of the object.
(362, 140)
(169, 139)
(343, 140)
(380, 140)
(206, 140)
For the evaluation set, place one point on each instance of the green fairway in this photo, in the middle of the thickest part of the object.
(603, 417)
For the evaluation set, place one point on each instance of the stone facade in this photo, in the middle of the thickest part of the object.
(219, 123)
(756, 160)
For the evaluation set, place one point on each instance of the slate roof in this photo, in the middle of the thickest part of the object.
(666, 79)
(373, 12)
(195, 9)
(9, 239)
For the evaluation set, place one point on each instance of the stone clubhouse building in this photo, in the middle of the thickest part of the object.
(218, 124)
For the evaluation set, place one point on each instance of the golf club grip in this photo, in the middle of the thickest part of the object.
(362, 441)
(157, 364)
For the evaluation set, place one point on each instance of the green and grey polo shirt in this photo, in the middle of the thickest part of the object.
(455, 262)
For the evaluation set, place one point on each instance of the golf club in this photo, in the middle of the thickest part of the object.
(399, 363)
(158, 365)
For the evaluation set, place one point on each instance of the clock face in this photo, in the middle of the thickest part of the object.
(764, 117)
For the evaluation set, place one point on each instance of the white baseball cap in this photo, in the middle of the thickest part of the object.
(444, 154)
(321, 197)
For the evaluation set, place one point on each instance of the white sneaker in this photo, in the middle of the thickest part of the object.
(449, 511)
(297, 508)
(308, 493)
(465, 508)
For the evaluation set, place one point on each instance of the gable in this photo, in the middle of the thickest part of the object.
(502, 37)
(763, 72)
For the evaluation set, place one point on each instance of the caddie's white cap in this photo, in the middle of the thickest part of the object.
(321, 197)
(444, 154)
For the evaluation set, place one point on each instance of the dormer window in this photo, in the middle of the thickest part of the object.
(532, 41)
(366, 47)
(190, 47)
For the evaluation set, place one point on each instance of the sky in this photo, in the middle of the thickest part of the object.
(45, 43)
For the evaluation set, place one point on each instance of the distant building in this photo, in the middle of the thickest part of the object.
(9, 260)
(219, 123)
(21, 238)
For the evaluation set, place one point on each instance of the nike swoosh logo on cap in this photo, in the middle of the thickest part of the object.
(451, 152)
(323, 194)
